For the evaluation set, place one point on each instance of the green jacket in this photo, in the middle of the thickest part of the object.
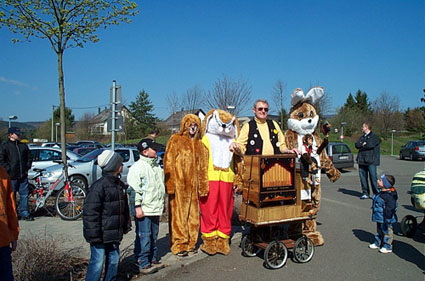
(146, 177)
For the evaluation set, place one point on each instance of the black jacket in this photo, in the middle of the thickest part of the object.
(16, 159)
(369, 154)
(106, 215)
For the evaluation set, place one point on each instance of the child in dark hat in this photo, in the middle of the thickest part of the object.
(106, 217)
(384, 207)
(146, 177)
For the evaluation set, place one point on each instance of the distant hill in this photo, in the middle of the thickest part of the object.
(22, 125)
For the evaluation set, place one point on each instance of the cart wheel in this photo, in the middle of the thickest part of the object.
(275, 255)
(303, 249)
(408, 226)
(248, 248)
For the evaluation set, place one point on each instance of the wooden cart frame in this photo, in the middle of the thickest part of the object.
(279, 227)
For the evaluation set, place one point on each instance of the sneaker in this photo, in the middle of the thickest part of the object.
(364, 196)
(182, 254)
(157, 264)
(373, 246)
(385, 250)
(28, 218)
(148, 269)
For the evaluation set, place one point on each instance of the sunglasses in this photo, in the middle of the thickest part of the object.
(265, 109)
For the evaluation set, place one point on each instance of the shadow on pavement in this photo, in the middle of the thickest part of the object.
(350, 192)
(409, 253)
(401, 249)
(364, 236)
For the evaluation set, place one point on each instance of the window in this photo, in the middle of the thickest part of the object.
(125, 154)
(340, 148)
(49, 155)
(136, 155)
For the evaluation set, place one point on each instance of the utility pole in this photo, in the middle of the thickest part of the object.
(53, 113)
(114, 100)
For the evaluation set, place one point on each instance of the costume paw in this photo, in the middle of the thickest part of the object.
(223, 246)
(209, 246)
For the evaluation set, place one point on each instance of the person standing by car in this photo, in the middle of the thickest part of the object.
(146, 177)
(106, 217)
(368, 159)
(9, 228)
(16, 159)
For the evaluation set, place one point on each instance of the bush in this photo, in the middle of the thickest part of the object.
(42, 258)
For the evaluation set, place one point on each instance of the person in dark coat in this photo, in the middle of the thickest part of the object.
(368, 159)
(106, 217)
(16, 159)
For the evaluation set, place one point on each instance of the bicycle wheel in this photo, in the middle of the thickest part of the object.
(70, 209)
(275, 255)
(248, 248)
(408, 226)
(303, 250)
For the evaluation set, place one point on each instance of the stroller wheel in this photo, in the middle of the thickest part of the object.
(408, 226)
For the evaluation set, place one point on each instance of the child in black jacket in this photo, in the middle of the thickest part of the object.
(106, 217)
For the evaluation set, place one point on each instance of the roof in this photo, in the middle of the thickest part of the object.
(174, 119)
(104, 115)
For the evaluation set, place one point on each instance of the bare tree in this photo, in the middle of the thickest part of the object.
(227, 92)
(194, 98)
(82, 128)
(278, 97)
(386, 113)
(173, 102)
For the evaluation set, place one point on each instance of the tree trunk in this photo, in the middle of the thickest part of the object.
(62, 107)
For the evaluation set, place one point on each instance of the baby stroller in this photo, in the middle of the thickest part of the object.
(409, 223)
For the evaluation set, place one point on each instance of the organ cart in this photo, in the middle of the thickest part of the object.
(275, 204)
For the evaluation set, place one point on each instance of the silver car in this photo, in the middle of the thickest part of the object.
(43, 157)
(85, 170)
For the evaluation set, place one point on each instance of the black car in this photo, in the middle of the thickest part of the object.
(340, 155)
(413, 150)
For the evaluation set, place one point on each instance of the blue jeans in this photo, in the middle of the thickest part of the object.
(21, 186)
(384, 235)
(364, 171)
(145, 249)
(98, 253)
(132, 198)
(6, 272)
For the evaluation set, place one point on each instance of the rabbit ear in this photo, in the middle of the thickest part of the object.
(296, 96)
(315, 94)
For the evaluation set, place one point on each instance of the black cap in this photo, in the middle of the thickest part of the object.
(146, 143)
(14, 130)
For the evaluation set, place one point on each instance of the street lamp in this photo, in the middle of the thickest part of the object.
(392, 141)
(342, 130)
(57, 125)
(12, 117)
(231, 108)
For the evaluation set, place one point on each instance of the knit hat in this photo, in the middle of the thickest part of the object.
(109, 161)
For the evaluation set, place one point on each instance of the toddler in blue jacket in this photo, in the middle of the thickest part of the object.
(384, 207)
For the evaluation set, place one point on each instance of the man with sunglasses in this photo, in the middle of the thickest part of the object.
(261, 136)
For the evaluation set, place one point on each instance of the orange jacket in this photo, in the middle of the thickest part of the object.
(9, 228)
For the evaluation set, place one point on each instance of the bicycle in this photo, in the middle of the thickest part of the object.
(69, 198)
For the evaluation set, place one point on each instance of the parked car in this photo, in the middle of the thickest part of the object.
(85, 170)
(89, 143)
(43, 157)
(413, 150)
(340, 155)
(50, 144)
(83, 150)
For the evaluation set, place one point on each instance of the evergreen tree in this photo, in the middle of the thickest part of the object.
(141, 110)
(350, 103)
(362, 102)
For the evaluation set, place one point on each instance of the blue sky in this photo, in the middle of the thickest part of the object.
(171, 46)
